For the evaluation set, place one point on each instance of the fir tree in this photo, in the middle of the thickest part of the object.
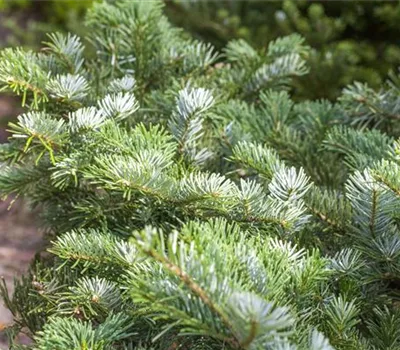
(190, 203)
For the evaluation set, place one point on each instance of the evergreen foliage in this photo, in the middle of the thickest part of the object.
(351, 40)
(190, 203)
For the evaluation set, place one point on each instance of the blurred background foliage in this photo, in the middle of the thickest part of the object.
(26, 22)
(351, 40)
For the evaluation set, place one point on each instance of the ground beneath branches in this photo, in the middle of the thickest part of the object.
(19, 236)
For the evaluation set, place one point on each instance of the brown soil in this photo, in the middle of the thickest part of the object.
(19, 236)
(19, 241)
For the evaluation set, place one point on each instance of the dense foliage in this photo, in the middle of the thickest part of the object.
(52, 11)
(352, 40)
(190, 203)
(26, 22)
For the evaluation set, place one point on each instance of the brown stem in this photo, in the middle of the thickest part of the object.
(196, 289)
